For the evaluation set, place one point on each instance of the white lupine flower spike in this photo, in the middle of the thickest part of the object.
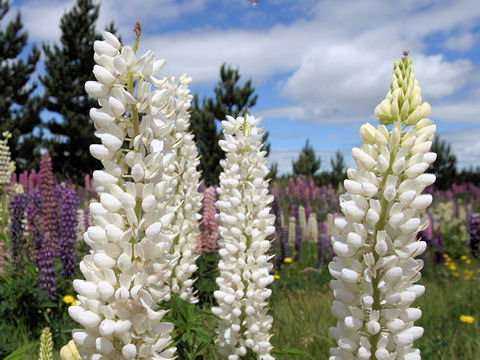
(375, 268)
(136, 223)
(245, 224)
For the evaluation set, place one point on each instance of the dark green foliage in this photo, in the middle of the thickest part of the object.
(469, 175)
(206, 274)
(445, 166)
(230, 99)
(19, 110)
(190, 335)
(207, 136)
(307, 163)
(68, 66)
(338, 173)
(273, 174)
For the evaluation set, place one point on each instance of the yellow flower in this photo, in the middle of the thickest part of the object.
(463, 257)
(68, 299)
(74, 302)
(276, 276)
(49, 310)
(468, 261)
(467, 319)
(452, 266)
(288, 260)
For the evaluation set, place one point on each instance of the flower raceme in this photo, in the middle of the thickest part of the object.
(375, 269)
(245, 223)
(138, 225)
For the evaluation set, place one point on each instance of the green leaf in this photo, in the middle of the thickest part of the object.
(202, 335)
(186, 336)
(20, 352)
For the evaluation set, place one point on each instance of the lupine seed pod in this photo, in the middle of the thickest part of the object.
(375, 269)
(128, 270)
(245, 224)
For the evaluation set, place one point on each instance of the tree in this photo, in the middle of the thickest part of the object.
(230, 99)
(445, 166)
(19, 109)
(68, 66)
(307, 163)
(207, 136)
(339, 169)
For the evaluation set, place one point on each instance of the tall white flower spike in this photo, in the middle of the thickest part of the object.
(375, 269)
(136, 223)
(245, 224)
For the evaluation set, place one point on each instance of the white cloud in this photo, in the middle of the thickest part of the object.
(465, 145)
(465, 111)
(42, 19)
(461, 42)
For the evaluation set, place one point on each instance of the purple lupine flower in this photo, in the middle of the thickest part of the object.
(46, 263)
(17, 214)
(49, 202)
(68, 227)
(293, 208)
(322, 243)
(308, 207)
(23, 180)
(275, 189)
(33, 181)
(298, 243)
(34, 224)
(284, 246)
(291, 187)
(276, 210)
(302, 187)
(474, 231)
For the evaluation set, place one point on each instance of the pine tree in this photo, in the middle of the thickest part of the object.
(307, 163)
(233, 99)
(207, 136)
(338, 172)
(68, 66)
(445, 166)
(19, 109)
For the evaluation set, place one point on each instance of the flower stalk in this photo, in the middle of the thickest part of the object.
(129, 270)
(245, 223)
(375, 269)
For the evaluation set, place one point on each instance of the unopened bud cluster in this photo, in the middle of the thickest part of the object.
(139, 226)
(245, 223)
(375, 269)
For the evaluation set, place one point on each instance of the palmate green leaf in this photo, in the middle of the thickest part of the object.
(20, 352)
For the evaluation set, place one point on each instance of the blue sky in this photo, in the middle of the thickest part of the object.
(319, 67)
